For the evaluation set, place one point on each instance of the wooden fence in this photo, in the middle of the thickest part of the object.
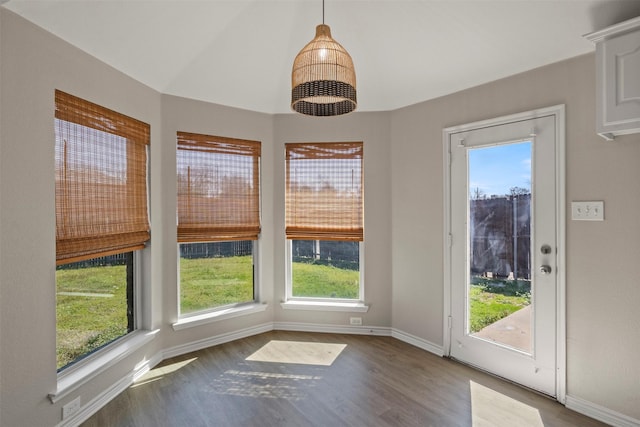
(500, 230)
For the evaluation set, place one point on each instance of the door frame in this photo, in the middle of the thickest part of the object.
(558, 112)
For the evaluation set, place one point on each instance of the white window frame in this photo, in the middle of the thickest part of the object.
(324, 304)
(223, 312)
(84, 370)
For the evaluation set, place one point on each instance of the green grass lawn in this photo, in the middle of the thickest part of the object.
(213, 282)
(493, 300)
(85, 323)
(324, 281)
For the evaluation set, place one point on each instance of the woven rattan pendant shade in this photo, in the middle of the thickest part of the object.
(323, 79)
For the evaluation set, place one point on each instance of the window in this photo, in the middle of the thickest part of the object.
(325, 269)
(94, 305)
(218, 221)
(215, 274)
(101, 221)
(324, 221)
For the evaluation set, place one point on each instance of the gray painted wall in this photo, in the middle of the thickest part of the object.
(403, 219)
(34, 64)
(373, 130)
(180, 114)
(603, 285)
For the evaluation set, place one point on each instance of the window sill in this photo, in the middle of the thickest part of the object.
(216, 316)
(354, 307)
(86, 370)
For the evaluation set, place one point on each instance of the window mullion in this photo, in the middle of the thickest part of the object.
(131, 307)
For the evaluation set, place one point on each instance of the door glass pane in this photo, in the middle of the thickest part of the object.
(499, 287)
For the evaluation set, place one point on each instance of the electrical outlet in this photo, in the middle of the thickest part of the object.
(355, 321)
(587, 211)
(71, 408)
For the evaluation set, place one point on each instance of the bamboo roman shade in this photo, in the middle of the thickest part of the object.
(218, 188)
(324, 191)
(101, 180)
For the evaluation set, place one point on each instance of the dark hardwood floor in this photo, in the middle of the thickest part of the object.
(373, 381)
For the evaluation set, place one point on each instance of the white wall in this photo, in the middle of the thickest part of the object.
(603, 284)
(403, 216)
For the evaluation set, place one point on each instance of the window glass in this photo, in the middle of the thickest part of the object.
(325, 269)
(101, 219)
(324, 219)
(218, 210)
(94, 305)
(215, 274)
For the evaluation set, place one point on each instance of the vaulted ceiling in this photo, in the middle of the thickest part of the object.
(239, 53)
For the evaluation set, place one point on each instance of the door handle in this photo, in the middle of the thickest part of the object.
(545, 269)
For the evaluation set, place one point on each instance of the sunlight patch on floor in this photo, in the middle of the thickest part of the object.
(270, 385)
(159, 372)
(297, 352)
(492, 409)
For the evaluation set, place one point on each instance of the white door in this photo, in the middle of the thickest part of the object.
(504, 183)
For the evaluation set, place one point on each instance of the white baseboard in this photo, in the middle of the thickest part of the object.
(362, 330)
(332, 329)
(216, 340)
(600, 413)
(417, 342)
(86, 411)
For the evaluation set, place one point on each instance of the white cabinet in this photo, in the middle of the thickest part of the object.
(618, 78)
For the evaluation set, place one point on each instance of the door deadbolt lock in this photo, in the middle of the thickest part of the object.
(545, 249)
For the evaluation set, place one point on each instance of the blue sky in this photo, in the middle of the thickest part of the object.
(494, 170)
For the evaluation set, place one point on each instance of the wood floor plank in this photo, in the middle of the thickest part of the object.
(374, 381)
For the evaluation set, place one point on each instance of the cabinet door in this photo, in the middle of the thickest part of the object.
(619, 94)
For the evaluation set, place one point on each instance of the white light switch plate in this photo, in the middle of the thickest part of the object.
(587, 211)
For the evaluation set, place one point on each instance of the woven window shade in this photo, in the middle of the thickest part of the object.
(324, 191)
(101, 180)
(218, 188)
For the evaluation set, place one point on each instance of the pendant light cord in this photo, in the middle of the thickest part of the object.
(322, 12)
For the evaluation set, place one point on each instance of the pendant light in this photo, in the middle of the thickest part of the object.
(323, 79)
